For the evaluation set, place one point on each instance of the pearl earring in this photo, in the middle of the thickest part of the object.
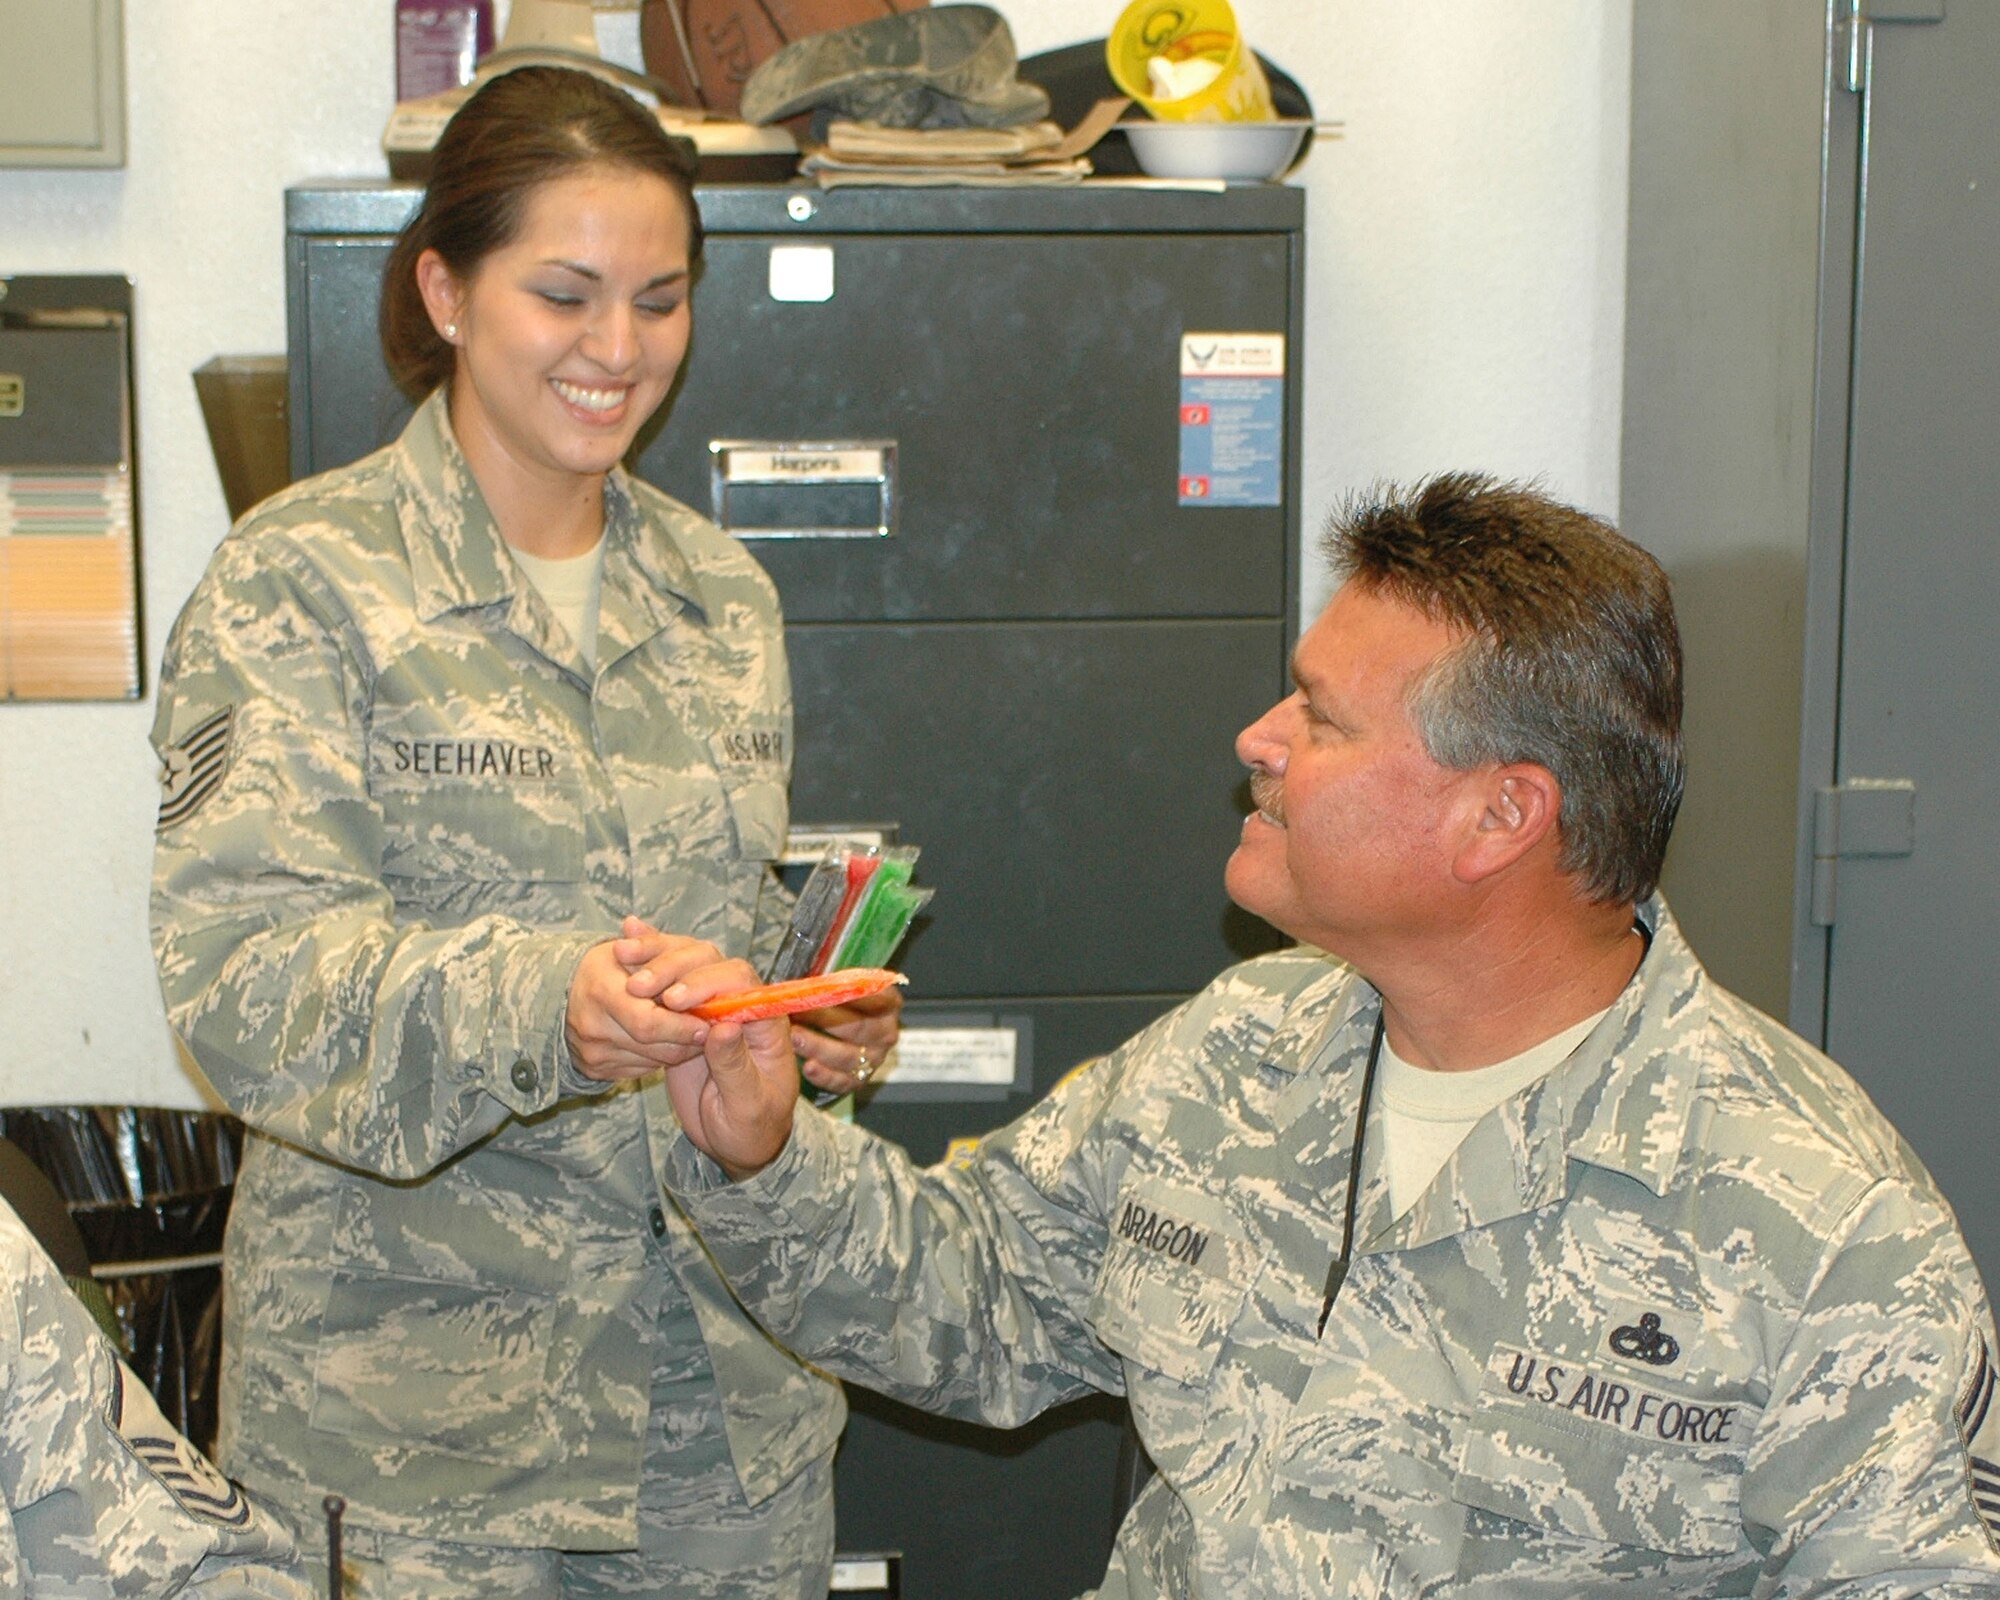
(451, 330)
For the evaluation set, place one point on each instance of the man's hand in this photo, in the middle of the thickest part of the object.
(737, 1099)
(616, 1029)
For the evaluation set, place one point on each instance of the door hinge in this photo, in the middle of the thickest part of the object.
(1853, 19)
(1861, 817)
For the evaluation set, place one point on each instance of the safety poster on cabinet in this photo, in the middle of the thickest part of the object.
(1232, 419)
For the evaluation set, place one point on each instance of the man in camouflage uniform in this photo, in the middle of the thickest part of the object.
(400, 808)
(101, 1495)
(1679, 1315)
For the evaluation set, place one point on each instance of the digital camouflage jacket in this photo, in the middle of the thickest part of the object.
(1683, 1318)
(99, 1494)
(398, 807)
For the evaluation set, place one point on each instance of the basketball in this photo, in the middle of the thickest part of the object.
(704, 49)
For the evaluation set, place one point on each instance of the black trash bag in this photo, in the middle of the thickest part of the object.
(126, 1154)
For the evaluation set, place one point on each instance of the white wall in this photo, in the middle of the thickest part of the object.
(1466, 248)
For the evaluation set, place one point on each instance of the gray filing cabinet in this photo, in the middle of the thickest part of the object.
(1812, 369)
(1036, 674)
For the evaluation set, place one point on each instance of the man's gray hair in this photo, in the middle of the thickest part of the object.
(1572, 658)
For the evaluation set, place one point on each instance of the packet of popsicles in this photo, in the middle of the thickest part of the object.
(852, 913)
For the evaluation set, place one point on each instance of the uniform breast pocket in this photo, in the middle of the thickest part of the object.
(457, 1368)
(1173, 1281)
(1578, 1451)
(472, 833)
(754, 772)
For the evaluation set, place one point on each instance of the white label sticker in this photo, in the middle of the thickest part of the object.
(804, 846)
(802, 274)
(804, 466)
(858, 1574)
(985, 1056)
(1232, 355)
(416, 125)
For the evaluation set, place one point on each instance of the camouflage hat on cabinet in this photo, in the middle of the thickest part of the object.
(944, 67)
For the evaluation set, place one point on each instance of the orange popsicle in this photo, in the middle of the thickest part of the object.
(798, 994)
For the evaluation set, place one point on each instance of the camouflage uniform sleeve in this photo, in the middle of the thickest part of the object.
(315, 1016)
(962, 1290)
(1866, 1476)
(102, 1495)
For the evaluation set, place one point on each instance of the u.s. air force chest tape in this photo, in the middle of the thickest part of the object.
(1631, 1436)
(751, 747)
(753, 755)
(1176, 1269)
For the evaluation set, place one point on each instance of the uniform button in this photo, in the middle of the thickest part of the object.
(524, 1075)
(658, 1219)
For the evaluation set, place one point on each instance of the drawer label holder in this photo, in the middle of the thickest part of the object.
(803, 488)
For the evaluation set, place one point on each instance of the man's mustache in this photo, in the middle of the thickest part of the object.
(1267, 794)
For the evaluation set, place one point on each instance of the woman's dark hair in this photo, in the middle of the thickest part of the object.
(522, 129)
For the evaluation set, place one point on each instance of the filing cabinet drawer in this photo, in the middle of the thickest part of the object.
(1073, 785)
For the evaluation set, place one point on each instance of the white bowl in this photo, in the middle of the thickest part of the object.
(1244, 150)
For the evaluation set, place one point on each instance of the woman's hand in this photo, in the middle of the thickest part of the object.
(616, 1026)
(842, 1047)
(657, 977)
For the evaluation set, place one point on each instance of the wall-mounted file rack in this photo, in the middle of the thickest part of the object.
(69, 554)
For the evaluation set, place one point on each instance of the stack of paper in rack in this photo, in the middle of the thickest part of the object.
(1039, 153)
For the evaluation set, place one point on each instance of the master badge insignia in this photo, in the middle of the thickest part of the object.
(1646, 1342)
(194, 767)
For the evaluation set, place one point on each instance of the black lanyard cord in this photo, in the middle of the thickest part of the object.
(1336, 1274)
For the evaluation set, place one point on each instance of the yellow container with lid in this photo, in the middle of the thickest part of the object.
(1185, 61)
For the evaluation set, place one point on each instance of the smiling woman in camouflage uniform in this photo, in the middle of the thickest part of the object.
(439, 730)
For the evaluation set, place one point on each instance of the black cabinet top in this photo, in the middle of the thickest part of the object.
(377, 206)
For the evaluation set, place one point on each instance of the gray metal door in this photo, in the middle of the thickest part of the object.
(1907, 869)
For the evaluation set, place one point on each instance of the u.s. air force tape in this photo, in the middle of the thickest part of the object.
(194, 766)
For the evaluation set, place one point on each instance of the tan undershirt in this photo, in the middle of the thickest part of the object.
(1426, 1115)
(573, 586)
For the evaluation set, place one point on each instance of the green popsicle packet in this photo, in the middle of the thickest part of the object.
(884, 913)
